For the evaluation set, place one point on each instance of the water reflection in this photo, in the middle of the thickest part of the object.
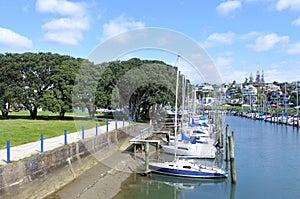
(183, 183)
(232, 191)
(168, 187)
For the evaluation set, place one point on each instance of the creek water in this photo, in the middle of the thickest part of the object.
(267, 160)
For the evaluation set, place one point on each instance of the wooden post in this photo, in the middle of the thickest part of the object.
(134, 151)
(222, 140)
(232, 165)
(146, 157)
(226, 143)
(157, 146)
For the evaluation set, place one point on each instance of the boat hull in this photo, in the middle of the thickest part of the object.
(186, 174)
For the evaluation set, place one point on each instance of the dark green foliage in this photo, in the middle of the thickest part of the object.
(31, 81)
(137, 85)
(59, 83)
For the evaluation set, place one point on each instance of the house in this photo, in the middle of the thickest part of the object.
(207, 101)
(271, 87)
(275, 95)
(249, 90)
(207, 89)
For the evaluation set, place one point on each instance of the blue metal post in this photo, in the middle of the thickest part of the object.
(65, 134)
(123, 121)
(96, 128)
(42, 143)
(134, 119)
(116, 124)
(106, 126)
(8, 150)
(82, 130)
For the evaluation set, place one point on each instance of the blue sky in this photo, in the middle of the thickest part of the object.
(240, 36)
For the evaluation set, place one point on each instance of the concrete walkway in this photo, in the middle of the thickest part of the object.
(29, 149)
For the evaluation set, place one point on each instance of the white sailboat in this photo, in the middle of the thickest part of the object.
(184, 167)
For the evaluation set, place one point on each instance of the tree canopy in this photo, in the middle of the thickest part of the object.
(58, 83)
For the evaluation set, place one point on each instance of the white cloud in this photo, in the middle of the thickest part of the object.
(11, 39)
(223, 61)
(278, 71)
(227, 7)
(62, 7)
(288, 4)
(119, 25)
(267, 42)
(293, 48)
(66, 23)
(219, 38)
(65, 30)
(296, 22)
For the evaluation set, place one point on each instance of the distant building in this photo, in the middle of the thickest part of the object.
(249, 90)
(275, 95)
(207, 101)
(223, 88)
(206, 88)
(271, 87)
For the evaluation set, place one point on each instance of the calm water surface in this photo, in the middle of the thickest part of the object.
(267, 159)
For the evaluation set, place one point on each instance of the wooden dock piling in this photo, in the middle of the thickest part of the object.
(226, 143)
(232, 165)
(146, 157)
(134, 151)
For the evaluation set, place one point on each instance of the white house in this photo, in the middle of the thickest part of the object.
(207, 101)
(249, 90)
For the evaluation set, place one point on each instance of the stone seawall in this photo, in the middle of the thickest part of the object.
(37, 176)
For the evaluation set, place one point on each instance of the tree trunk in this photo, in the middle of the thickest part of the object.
(62, 115)
(5, 110)
(4, 114)
(33, 113)
(91, 111)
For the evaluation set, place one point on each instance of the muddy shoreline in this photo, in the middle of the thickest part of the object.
(104, 180)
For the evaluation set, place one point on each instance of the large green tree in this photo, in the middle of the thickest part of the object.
(137, 85)
(37, 70)
(59, 97)
(10, 79)
(86, 85)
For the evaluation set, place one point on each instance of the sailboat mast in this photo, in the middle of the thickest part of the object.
(297, 98)
(176, 104)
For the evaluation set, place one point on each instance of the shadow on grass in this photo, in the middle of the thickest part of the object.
(56, 117)
(99, 117)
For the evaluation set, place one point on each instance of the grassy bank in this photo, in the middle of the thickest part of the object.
(19, 129)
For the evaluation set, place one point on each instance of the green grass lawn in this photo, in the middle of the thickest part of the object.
(20, 130)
